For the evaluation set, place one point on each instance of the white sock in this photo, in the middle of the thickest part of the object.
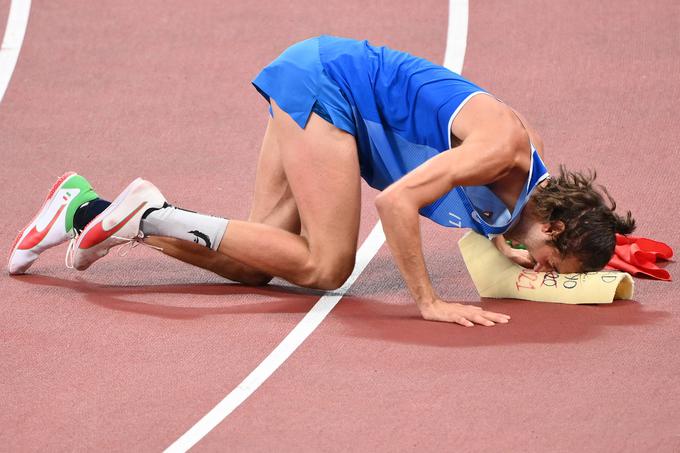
(187, 225)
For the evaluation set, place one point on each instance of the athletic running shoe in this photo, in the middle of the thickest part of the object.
(117, 224)
(53, 224)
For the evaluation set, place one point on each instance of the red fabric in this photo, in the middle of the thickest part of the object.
(638, 256)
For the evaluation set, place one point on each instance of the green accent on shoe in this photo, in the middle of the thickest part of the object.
(85, 194)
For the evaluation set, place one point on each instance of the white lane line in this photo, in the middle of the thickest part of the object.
(455, 52)
(17, 21)
(279, 355)
(456, 35)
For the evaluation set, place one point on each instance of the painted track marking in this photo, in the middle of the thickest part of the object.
(279, 355)
(17, 21)
(453, 59)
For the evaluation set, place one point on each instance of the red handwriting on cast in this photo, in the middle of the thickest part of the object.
(527, 279)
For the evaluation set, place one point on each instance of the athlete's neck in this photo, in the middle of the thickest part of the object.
(519, 231)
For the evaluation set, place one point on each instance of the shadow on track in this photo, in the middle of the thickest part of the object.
(375, 319)
(531, 322)
(285, 299)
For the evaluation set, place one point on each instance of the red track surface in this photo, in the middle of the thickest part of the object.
(130, 354)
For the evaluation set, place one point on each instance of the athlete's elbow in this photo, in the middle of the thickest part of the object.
(509, 152)
(540, 146)
(391, 201)
(383, 202)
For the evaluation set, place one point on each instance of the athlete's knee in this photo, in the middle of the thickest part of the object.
(327, 273)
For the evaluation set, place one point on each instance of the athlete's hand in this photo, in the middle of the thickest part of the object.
(519, 256)
(465, 315)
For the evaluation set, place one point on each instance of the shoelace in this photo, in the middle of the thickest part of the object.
(71, 250)
(127, 245)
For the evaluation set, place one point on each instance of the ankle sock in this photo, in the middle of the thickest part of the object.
(183, 224)
(88, 211)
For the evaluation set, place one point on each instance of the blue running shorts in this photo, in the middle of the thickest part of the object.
(296, 80)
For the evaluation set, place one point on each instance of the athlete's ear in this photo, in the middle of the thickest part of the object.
(553, 229)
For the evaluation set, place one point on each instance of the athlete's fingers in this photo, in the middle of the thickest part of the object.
(483, 320)
(503, 315)
(496, 317)
(463, 321)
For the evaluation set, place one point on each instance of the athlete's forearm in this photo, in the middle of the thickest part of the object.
(501, 244)
(473, 163)
(402, 230)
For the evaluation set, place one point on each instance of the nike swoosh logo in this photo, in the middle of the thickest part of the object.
(97, 234)
(202, 236)
(35, 237)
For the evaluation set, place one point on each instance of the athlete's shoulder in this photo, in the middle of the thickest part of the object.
(484, 118)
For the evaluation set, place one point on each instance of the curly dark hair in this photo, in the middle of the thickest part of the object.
(587, 212)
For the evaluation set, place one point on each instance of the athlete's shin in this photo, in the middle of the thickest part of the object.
(200, 256)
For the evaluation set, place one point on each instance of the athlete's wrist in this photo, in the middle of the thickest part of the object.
(426, 301)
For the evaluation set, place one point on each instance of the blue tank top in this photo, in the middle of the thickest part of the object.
(403, 107)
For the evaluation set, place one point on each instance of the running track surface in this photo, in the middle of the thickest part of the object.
(132, 353)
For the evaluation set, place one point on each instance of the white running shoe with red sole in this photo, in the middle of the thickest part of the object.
(117, 224)
(53, 224)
